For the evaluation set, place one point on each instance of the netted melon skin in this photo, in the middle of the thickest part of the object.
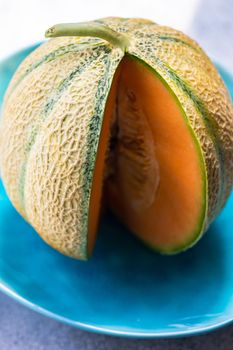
(53, 113)
(50, 131)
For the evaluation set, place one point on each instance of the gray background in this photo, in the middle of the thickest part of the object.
(23, 329)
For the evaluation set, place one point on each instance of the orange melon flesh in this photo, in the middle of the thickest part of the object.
(156, 186)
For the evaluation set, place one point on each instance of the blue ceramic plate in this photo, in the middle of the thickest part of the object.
(125, 289)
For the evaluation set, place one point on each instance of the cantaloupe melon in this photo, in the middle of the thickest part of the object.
(120, 109)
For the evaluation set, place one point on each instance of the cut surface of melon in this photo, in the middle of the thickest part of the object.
(149, 161)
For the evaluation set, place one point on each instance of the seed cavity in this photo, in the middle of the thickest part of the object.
(132, 165)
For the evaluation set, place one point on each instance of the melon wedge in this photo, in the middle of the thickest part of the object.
(154, 174)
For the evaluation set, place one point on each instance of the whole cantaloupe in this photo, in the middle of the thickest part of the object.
(126, 108)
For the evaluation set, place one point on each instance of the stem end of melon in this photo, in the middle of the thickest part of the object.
(91, 29)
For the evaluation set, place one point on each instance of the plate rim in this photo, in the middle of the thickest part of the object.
(134, 334)
(193, 331)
